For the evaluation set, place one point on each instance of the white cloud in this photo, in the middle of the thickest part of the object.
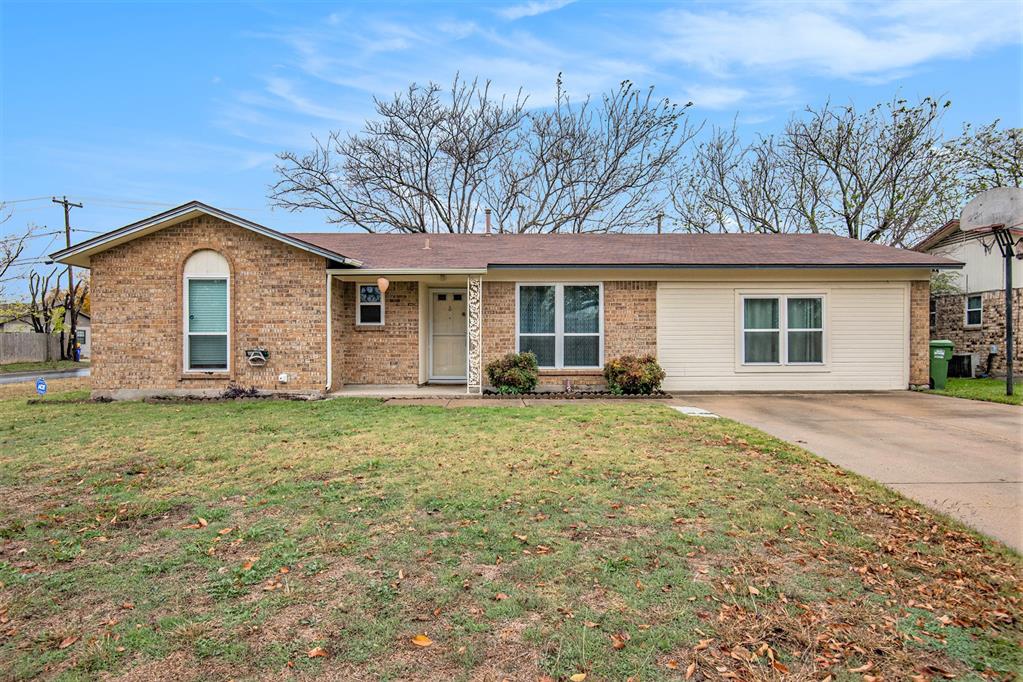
(532, 8)
(866, 40)
(715, 97)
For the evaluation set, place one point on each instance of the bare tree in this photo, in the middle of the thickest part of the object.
(73, 302)
(432, 160)
(45, 306)
(588, 167)
(725, 185)
(883, 175)
(11, 247)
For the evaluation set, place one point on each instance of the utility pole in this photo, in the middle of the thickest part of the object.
(70, 312)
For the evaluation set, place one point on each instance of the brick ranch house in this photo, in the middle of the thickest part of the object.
(970, 310)
(183, 301)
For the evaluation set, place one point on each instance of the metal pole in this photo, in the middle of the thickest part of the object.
(1008, 252)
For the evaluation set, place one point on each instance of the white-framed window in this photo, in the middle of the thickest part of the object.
(207, 301)
(974, 310)
(562, 324)
(80, 336)
(369, 305)
(783, 329)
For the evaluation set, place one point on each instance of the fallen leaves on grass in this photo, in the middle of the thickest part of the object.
(317, 652)
(422, 641)
(67, 641)
(618, 640)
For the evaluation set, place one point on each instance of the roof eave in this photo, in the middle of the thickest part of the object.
(80, 254)
(936, 236)
(941, 265)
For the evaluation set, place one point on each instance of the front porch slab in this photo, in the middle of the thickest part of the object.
(400, 391)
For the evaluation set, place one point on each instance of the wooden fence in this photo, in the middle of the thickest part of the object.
(28, 347)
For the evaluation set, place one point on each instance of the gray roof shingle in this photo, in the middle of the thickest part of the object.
(408, 251)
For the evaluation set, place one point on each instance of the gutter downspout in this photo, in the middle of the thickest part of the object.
(330, 315)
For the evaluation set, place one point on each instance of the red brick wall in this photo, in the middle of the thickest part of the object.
(379, 355)
(498, 320)
(630, 319)
(919, 333)
(278, 301)
(337, 321)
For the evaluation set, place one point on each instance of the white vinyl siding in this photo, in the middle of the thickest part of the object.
(865, 337)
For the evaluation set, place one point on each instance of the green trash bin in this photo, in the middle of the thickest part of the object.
(941, 355)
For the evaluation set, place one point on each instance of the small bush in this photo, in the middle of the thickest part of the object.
(514, 373)
(630, 374)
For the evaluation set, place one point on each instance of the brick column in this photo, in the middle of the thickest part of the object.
(919, 333)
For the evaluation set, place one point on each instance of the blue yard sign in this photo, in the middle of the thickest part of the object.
(41, 386)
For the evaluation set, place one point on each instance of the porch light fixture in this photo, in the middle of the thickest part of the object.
(382, 284)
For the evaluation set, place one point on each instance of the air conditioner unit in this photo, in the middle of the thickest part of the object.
(964, 365)
(257, 357)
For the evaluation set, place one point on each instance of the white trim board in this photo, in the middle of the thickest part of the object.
(80, 254)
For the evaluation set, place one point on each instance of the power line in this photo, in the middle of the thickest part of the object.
(28, 237)
(21, 201)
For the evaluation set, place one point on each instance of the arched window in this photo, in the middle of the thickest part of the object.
(207, 302)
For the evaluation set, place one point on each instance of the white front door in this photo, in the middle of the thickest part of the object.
(447, 336)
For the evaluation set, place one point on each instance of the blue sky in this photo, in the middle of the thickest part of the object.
(135, 107)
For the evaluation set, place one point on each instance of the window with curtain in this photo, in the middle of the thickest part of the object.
(974, 310)
(207, 324)
(783, 330)
(805, 320)
(370, 308)
(561, 324)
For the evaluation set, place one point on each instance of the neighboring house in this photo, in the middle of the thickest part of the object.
(969, 309)
(185, 299)
(23, 323)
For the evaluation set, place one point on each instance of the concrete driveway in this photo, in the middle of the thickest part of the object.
(961, 457)
(22, 377)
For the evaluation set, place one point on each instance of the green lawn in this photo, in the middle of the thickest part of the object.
(42, 366)
(231, 540)
(992, 390)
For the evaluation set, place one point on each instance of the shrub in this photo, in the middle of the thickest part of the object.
(514, 373)
(631, 374)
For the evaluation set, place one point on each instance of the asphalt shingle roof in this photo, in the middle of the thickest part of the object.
(616, 250)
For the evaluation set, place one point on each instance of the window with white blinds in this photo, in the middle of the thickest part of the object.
(207, 303)
(207, 324)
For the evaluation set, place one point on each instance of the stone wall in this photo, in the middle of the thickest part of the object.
(951, 325)
(387, 354)
(278, 301)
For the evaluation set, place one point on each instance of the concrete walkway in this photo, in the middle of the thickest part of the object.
(21, 377)
(960, 457)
